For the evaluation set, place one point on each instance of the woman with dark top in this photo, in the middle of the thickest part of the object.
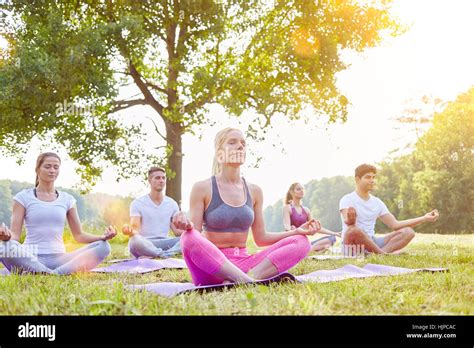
(295, 215)
(222, 210)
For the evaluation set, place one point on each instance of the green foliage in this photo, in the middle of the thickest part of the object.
(5, 202)
(439, 173)
(182, 56)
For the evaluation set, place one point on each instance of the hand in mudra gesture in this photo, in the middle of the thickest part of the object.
(309, 227)
(181, 221)
(351, 216)
(5, 233)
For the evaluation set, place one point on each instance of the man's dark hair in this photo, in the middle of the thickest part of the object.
(155, 169)
(363, 169)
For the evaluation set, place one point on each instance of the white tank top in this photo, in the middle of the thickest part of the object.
(44, 221)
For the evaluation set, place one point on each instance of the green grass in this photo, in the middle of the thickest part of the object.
(450, 293)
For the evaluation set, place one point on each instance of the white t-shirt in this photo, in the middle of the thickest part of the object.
(156, 219)
(367, 211)
(44, 221)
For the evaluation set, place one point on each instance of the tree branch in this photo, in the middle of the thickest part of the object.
(144, 89)
(156, 128)
(125, 104)
(156, 87)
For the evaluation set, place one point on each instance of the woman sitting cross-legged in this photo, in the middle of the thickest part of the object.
(292, 218)
(224, 207)
(44, 211)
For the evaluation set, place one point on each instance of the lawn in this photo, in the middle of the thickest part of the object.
(449, 293)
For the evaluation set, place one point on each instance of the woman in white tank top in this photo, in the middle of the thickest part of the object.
(44, 211)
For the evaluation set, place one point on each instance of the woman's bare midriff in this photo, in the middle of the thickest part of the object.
(227, 239)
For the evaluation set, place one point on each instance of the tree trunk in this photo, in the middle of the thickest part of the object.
(175, 162)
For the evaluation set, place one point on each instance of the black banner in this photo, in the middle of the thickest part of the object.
(190, 331)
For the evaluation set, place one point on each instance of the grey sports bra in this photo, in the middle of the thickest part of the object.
(221, 217)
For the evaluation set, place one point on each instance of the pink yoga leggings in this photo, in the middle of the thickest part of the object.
(204, 259)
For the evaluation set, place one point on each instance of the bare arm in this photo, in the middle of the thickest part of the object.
(196, 204)
(196, 209)
(136, 223)
(18, 216)
(263, 238)
(79, 235)
(286, 218)
(390, 221)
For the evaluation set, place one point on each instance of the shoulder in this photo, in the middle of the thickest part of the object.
(139, 200)
(202, 186)
(347, 196)
(286, 207)
(255, 190)
(170, 200)
(306, 209)
(24, 195)
(378, 200)
(67, 196)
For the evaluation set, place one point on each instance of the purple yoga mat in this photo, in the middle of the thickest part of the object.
(141, 266)
(134, 266)
(120, 260)
(321, 276)
(172, 289)
(351, 271)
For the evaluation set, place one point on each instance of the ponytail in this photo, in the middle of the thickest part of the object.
(289, 194)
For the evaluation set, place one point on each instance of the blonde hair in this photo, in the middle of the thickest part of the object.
(40, 160)
(218, 142)
(289, 196)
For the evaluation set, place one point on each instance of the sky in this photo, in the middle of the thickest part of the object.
(434, 57)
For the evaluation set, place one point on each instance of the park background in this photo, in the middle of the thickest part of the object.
(387, 82)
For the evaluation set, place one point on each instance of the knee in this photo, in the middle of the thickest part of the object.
(103, 248)
(189, 238)
(409, 233)
(134, 242)
(302, 242)
(354, 232)
(7, 247)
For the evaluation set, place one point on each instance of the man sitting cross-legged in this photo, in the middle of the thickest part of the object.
(150, 221)
(359, 212)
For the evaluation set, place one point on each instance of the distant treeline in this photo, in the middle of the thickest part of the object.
(95, 210)
(438, 173)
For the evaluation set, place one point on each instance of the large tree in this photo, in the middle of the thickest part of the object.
(272, 57)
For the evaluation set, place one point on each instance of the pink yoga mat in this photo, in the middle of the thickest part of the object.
(321, 276)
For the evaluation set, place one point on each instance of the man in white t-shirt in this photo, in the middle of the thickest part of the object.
(150, 221)
(359, 212)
